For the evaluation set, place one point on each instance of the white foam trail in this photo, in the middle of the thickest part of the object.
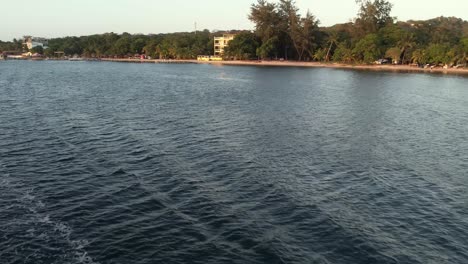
(85, 259)
(45, 220)
(28, 196)
(5, 182)
(32, 204)
(65, 231)
(5, 177)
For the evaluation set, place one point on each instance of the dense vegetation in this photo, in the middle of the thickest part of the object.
(15, 45)
(281, 32)
(165, 46)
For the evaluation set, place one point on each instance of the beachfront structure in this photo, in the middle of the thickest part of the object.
(209, 58)
(11, 55)
(220, 43)
(32, 42)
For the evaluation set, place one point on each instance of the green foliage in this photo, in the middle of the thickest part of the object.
(332, 40)
(266, 18)
(373, 15)
(122, 46)
(343, 54)
(320, 55)
(242, 47)
(437, 53)
(304, 35)
(282, 31)
(267, 50)
(446, 30)
(137, 45)
(38, 49)
(419, 56)
(296, 36)
(368, 49)
(150, 48)
(15, 45)
(464, 43)
(394, 53)
(463, 52)
(176, 45)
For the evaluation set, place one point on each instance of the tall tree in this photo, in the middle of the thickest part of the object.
(289, 26)
(303, 35)
(406, 42)
(332, 40)
(373, 15)
(266, 18)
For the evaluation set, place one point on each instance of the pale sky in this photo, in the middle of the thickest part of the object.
(58, 18)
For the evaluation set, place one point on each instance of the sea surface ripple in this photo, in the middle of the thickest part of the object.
(145, 163)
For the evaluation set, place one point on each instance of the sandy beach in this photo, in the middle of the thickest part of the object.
(392, 68)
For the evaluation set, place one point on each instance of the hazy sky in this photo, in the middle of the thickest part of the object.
(56, 18)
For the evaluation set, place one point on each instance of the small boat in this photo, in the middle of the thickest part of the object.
(76, 59)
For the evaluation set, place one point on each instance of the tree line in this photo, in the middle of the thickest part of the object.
(283, 32)
(185, 45)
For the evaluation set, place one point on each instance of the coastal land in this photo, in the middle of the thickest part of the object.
(282, 36)
(386, 67)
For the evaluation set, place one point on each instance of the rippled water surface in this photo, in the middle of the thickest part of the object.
(145, 163)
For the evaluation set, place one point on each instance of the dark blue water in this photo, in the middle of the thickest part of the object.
(129, 163)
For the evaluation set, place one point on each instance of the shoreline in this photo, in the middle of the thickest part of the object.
(362, 67)
(386, 68)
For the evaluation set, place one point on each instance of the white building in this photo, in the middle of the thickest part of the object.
(32, 42)
(220, 43)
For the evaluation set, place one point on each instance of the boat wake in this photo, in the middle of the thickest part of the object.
(40, 232)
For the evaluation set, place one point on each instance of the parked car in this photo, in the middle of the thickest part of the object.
(381, 61)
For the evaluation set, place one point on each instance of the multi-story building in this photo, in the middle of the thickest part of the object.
(220, 43)
(32, 42)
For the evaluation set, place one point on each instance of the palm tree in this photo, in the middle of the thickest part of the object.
(406, 42)
(418, 56)
(347, 54)
(332, 40)
(319, 55)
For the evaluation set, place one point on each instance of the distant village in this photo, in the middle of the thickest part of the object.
(31, 44)
(33, 48)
